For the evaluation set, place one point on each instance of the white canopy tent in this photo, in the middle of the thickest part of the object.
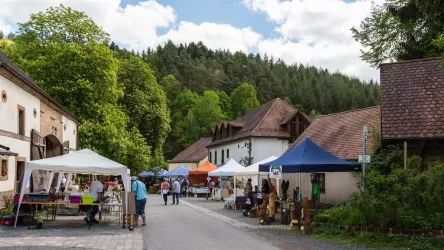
(83, 162)
(252, 172)
(229, 169)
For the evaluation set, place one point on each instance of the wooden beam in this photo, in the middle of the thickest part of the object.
(421, 148)
(405, 155)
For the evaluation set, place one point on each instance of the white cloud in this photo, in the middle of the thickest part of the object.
(214, 36)
(136, 26)
(317, 32)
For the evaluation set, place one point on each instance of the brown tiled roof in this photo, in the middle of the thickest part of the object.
(9, 65)
(342, 133)
(412, 102)
(193, 153)
(263, 121)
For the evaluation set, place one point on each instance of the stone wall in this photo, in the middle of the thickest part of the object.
(51, 122)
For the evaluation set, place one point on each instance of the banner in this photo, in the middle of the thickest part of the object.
(275, 172)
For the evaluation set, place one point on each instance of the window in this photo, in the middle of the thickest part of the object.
(301, 128)
(223, 157)
(215, 158)
(21, 120)
(320, 178)
(228, 153)
(292, 131)
(210, 157)
(4, 170)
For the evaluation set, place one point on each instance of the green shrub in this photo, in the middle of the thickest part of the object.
(394, 196)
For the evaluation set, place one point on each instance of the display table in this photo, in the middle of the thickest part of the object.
(219, 194)
(199, 190)
(55, 204)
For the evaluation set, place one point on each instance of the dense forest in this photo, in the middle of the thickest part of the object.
(141, 108)
(195, 68)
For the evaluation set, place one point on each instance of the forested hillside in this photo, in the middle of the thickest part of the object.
(142, 108)
(196, 68)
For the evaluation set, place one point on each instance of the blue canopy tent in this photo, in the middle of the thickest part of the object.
(179, 171)
(146, 174)
(308, 157)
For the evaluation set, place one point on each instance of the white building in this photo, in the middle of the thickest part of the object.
(32, 126)
(265, 131)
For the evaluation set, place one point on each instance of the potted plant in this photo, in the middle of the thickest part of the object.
(6, 214)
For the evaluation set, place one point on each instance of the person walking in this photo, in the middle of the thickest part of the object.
(140, 192)
(63, 184)
(249, 191)
(164, 190)
(176, 191)
(185, 187)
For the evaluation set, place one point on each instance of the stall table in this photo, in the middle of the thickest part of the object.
(54, 207)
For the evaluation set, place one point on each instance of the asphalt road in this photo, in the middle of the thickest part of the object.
(181, 227)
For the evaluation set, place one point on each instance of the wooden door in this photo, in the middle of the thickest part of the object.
(38, 151)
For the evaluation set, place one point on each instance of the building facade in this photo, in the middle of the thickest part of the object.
(412, 107)
(192, 157)
(32, 126)
(342, 135)
(260, 133)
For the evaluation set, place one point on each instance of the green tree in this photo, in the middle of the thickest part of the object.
(225, 104)
(401, 30)
(172, 88)
(243, 98)
(66, 53)
(177, 139)
(2, 35)
(145, 103)
(203, 117)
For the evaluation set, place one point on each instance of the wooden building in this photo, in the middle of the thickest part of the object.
(412, 107)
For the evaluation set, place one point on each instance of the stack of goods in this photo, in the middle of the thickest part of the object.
(57, 196)
(38, 197)
(87, 199)
(75, 198)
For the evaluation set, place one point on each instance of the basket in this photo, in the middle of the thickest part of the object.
(75, 199)
(87, 199)
(38, 197)
(57, 196)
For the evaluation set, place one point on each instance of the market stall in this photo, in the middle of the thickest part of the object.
(250, 172)
(180, 171)
(308, 157)
(82, 162)
(227, 170)
(198, 178)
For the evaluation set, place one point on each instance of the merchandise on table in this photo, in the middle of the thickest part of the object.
(38, 197)
(88, 199)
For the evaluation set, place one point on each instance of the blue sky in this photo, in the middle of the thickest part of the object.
(232, 12)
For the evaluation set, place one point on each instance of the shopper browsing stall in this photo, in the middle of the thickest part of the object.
(140, 192)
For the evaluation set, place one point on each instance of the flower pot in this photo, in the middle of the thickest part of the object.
(7, 221)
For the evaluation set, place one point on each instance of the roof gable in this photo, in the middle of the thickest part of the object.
(263, 121)
(341, 133)
(411, 99)
(194, 153)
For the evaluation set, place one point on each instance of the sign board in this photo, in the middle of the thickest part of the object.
(276, 172)
(364, 158)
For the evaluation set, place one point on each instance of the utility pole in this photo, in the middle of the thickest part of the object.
(365, 153)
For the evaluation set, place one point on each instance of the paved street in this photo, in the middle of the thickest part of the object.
(195, 223)
(201, 224)
(184, 227)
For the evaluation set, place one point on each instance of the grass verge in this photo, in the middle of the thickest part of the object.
(377, 241)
